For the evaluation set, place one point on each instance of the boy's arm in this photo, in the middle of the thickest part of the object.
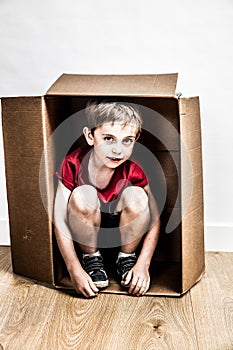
(140, 273)
(80, 279)
(152, 236)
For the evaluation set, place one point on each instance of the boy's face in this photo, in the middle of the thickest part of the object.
(113, 143)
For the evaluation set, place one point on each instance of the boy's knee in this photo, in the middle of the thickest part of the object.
(135, 199)
(84, 199)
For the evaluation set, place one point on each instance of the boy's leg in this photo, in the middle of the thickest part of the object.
(135, 217)
(84, 217)
(84, 220)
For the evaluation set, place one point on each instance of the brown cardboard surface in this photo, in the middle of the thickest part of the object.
(193, 222)
(163, 174)
(169, 245)
(109, 85)
(178, 262)
(161, 122)
(30, 229)
(165, 281)
(17, 104)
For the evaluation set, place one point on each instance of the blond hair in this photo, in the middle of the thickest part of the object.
(98, 113)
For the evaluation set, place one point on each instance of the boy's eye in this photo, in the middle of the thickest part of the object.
(108, 138)
(128, 141)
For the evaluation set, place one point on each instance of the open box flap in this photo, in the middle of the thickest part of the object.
(193, 252)
(156, 85)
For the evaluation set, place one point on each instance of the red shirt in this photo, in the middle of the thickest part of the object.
(74, 172)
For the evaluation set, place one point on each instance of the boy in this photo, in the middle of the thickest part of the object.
(99, 180)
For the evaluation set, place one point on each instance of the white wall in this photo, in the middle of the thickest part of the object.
(41, 39)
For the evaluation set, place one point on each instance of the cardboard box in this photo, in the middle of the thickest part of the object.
(172, 135)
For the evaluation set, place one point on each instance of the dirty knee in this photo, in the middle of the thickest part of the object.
(84, 200)
(135, 199)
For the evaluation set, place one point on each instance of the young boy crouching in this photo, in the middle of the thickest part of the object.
(100, 180)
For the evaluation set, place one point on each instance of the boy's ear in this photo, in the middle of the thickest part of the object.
(88, 136)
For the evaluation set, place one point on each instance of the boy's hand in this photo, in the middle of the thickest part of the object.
(83, 283)
(138, 279)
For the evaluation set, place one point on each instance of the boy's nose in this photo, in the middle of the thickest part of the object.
(117, 149)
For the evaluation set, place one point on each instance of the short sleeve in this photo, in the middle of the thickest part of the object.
(137, 176)
(66, 174)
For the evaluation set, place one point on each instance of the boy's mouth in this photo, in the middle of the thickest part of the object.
(115, 159)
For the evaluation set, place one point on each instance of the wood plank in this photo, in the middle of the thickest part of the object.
(5, 261)
(212, 301)
(25, 307)
(114, 322)
(33, 316)
(25, 315)
(5, 273)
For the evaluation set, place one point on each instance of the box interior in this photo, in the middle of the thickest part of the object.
(165, 152)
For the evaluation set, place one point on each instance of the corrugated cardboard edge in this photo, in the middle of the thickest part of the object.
(195, 283)
(150, 85)
(193, 252)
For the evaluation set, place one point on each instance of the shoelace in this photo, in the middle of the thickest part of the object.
(125, 264)
(93, 263)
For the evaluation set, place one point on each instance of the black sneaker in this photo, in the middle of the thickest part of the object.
(94, 266)
(124, 265)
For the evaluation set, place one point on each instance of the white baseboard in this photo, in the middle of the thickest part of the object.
(217, 238)
(4, 233)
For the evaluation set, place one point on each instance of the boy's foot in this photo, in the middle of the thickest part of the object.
(94, 266)
(124, 265)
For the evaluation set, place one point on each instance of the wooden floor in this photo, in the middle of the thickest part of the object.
(33, 316)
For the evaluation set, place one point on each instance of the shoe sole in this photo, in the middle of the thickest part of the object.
(102, 284)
